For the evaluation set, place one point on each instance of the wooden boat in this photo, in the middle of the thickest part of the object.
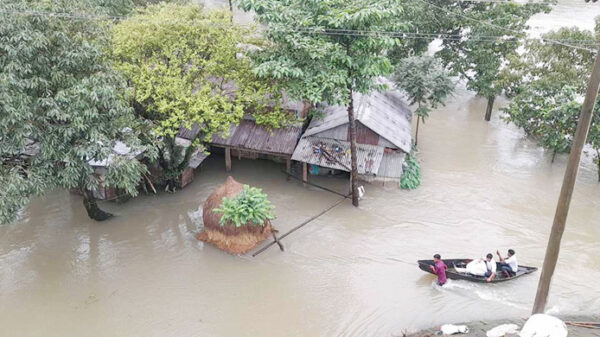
(452, 274)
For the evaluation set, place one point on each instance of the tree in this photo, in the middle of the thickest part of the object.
(61, 106)
(553, 65)
(547, 114)
(550, 80)
(477, 45)
(185, 66)
(426, 82)
(316, 61)
(422, 28)
(594, 137)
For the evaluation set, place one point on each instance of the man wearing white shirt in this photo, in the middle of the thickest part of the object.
(490, 264)
(509, 264)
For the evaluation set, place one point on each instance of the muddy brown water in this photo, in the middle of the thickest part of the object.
(351, 272)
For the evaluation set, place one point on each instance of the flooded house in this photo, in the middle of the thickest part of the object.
(250, 140)
(184, 138)
(383, 138)
(101, 167)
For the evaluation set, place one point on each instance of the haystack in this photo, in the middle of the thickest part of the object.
(234, 240)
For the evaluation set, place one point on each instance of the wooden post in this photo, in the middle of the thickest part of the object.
(227, 159)
(304, 173)
(288, 167)
(564, 200)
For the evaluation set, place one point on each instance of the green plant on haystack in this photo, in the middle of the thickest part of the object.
(411, 177)
(251, 206)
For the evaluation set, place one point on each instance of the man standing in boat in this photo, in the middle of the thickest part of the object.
(439, 268)
(509, 264)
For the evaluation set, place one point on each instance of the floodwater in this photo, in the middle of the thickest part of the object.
(351, 272)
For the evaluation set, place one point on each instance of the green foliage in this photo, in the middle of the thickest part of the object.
(250, 207)
(473, 55)
(58, 94)
(324, 68)
(274, 118)
(316, 114)
(550, 80)
(425, 81)
(549, 115)
(550, 64)
(411, 175)
(422, 20)
(173, 159)
(182, 66)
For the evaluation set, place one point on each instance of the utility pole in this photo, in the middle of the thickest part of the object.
(564, 200)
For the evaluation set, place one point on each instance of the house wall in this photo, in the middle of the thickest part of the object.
(187, 176)
(381, 181)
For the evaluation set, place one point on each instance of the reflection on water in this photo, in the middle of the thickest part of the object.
(352, 272)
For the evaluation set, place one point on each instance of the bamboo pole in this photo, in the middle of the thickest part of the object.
(301, 225)
(566, 192)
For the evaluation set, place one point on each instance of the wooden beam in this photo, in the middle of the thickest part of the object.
(304, 173)
(227, 159)
(281, 155)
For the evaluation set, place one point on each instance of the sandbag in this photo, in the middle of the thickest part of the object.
(542, 325)
(503, 330)
(451, 329)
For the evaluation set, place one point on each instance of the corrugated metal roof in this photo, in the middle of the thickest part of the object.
(386, 113)
(337, 156)
(119, 149)
(247, 135)
(391, 165)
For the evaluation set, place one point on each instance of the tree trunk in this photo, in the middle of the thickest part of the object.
(231, 10)
(490, 105)
(354, 164)
(553, 156)
(417, 132)
(91, 206)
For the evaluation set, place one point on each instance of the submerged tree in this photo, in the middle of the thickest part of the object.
(553, 65)
(325, 51)
(61, 107)
(550, 82)
(426, 82)
(479, 38)
(184, 68)
(549, 115)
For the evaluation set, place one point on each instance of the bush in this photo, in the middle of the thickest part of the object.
(411, 177)
(249, 207)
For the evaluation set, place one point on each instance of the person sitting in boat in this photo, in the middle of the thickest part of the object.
(508, 265)
(490, 266)
(480, 267)
(439, 268)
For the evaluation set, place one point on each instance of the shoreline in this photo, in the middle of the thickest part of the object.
(479, 328)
